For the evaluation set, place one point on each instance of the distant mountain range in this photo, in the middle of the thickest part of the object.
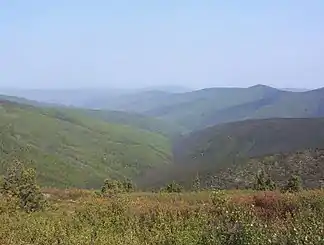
(193, 110)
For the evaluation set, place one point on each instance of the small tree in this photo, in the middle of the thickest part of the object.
(263, 182)
(270, 184)
(20, 184)
(113, 187)
(110, 187)
(294, 184)
(128, 185)
(196, 183)
(173, 187)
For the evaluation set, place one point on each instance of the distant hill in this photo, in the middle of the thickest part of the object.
(117, 117)
(218, 106)
(169, 89)
(21, 100)
(70, 149)
(199, 109)
(66, 97)
(169, 130)
(208, 151)
(195, 110)
(279, 105)
(296, 89)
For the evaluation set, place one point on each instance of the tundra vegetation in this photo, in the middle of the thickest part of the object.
(119, 215)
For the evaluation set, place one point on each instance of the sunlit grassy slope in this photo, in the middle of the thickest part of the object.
(69, 150)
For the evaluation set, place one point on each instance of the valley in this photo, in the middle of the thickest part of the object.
(156, 136)
(164, 168)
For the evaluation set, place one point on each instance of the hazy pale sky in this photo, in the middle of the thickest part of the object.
(136, 43)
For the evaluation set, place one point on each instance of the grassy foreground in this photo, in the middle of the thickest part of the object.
(231, 217)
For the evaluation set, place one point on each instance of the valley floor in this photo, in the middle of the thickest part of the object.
(229, 217)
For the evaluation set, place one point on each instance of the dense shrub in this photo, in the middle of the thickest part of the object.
(204, 218)
(263, 182)
(19, 185)
(172, 187)
(113, 187)
(294, 184)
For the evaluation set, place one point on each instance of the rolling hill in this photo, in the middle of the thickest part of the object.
(132, 119)
(76, 150)
(195, 110)
(199, 109)
(210, 150)
(222, 105)
(281, 105)
(200, 106)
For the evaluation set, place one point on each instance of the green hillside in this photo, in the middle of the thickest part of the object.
(152, 124)
(136, 120)
(140, 121)
(80, 151)
(207, 151)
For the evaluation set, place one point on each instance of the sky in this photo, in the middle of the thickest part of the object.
(189, 43)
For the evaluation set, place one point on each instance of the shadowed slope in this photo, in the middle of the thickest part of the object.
(207, 151)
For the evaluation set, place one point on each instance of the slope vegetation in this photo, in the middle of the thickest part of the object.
(207, 151)
(132, 119)
(308, 164)
(69, 150)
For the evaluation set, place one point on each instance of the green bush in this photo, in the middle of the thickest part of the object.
(19, 185)
(128, 185)
(113, 187)
(294, 184)
(263, 182)
(173, 187)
